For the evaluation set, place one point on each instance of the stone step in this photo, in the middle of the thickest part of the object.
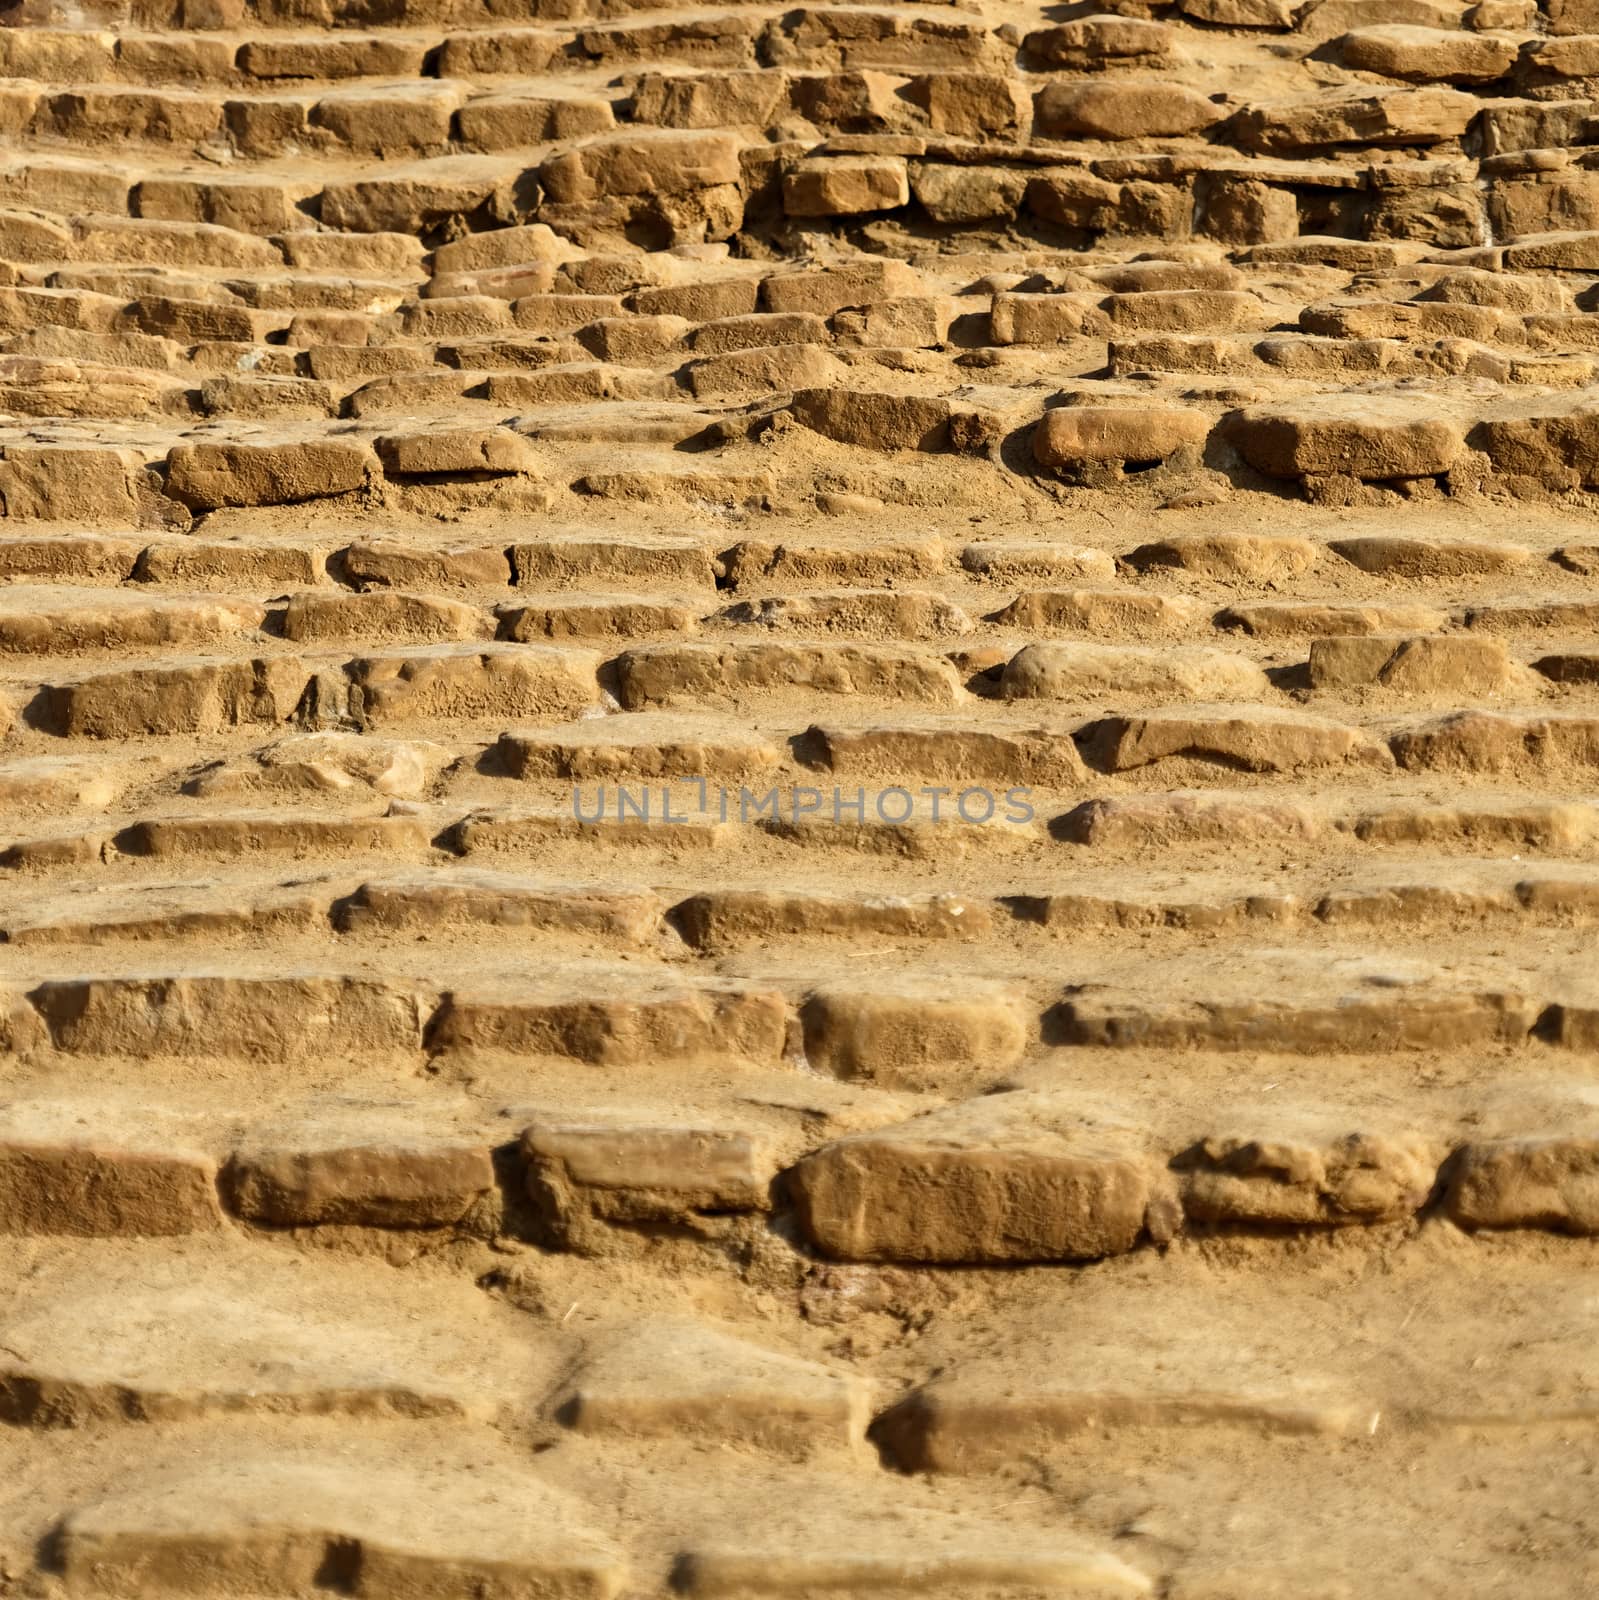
(99, 1340)
(662, 1375)
(342, 792)
(354, 895)
(279, 1523)
(593, 1174)
(1346, 659)
(1322, 999)
(1353, 1374)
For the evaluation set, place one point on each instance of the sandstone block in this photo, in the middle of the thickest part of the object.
(1413, 666)
(878, 1542)
(70, 558)
(1561, 450)
(68, 483)
(381, 562)
(1070, 435)
(1429, 55)
(667, 1375)
(1361, 1022)
(466, 898)
(1393, 556)
(1490, 827)
(113, 623)
(515, 120)
(617, 617)
(1278, 15)
(949, 751)
(683, 1024)
(731, 919)
(1296, 1181)
(371, 56)
(679, 674)
(1007, 561)
(823, 291)
(1093, 43)
(1110, 1373)
(206, 476)
(1352, 116)
(892, 613)
(913, 1035)
(875, 421)
(970, 105)
(763, 371)
(653, 164)
(1186, 817)
(1257, 740)
(384, 614)
(1076, 671)
(188, 697)
(1002, 1178)
(1551, 1182)
(1573, 16)
(413, 1183)
(575, 561)
(1121, 110)
(846, 186)
(1488, 742)
(461, 450)
(749, 99)
(1571, 666)
(248, 1333)
(1046, 318)
(1347, 435)
(311, 763)
(495, 682)
(1293, 619)
(1182, 310)
(585, 1178)
(283, 1019)
(968, 194)
(1228, 557)
(58, 1178)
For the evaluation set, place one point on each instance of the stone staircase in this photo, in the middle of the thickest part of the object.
(799, 802)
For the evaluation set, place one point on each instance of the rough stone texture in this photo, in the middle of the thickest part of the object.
(1267, 740)
(874, 421)
(1089, 671)
(744, 745)
(1446, 668)
(273, 1524)
(56, 1178)
(1526, 1183)
(1069, 436)
(846, 187)
(1291, 1182)
(669, 1375)
(982, 1183)
(1121, 110)
(206, 476)
(1352, 439)
(413, 1185)
(271, 1018)
(586, 1179)
(912, 1034)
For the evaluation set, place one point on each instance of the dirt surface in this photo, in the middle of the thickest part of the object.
(799, 802)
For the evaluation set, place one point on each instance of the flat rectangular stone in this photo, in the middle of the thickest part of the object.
(285, 1017)
(620, 1029)
(1002, 1178)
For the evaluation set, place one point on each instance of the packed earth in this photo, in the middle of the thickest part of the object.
(799, 802)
